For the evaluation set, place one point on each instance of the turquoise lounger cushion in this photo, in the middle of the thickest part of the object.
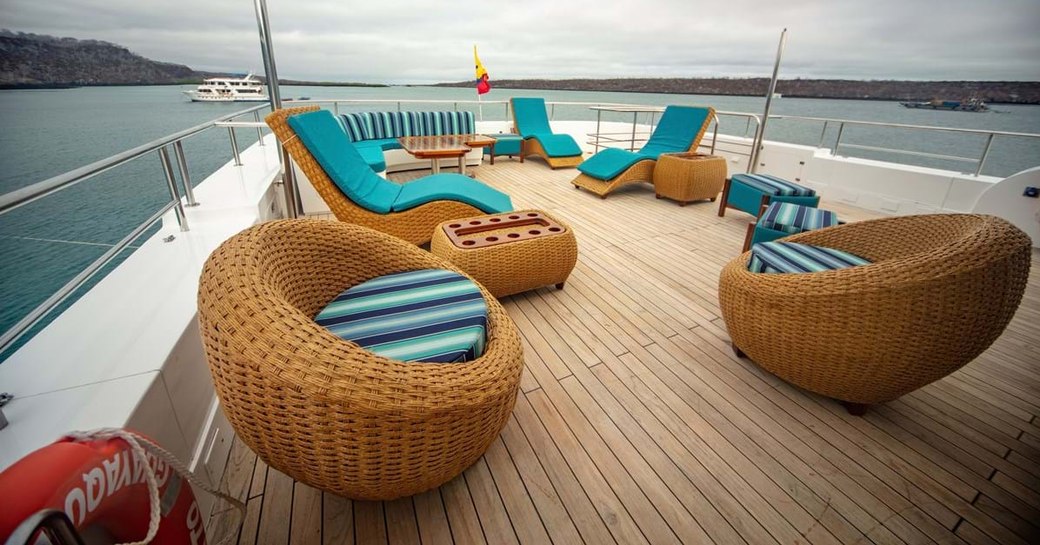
(324, 138)
(558, 145)
(452, 187)
(791, 257)
(429, 315)
(676, 131)
(610, 163)
(531, 117)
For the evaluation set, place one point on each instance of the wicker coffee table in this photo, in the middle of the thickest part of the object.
(686, 177)
(509, 253)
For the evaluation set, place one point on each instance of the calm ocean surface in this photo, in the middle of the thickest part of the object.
(48, 132)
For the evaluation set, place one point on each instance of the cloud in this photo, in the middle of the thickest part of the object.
(420, 41)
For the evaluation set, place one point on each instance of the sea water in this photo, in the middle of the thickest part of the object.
(48, 132)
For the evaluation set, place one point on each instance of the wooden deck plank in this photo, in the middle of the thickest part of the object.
(636, 424)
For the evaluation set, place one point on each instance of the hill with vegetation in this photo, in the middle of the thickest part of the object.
(1012, 92)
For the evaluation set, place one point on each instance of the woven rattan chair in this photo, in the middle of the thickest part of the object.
(414, 225)
(321, 409)
(939, 291)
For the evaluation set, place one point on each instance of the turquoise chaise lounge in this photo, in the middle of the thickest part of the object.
(680, 129)
(356, 194)
(532, 122)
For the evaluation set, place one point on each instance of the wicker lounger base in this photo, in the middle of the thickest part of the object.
(640, 172)
(534, 147)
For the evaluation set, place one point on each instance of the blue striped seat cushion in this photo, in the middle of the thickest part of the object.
(772, 185)
(363, 126)
(791, 257)
(429, 315)
(795, 218)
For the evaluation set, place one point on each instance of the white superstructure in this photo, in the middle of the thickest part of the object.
(247, 89)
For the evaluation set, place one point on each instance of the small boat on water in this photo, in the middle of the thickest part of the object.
(247, 89)
(970, 105)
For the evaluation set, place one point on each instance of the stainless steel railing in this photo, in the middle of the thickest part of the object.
(979, 161)
(162, 146)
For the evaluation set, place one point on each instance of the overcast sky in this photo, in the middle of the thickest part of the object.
(415, 41)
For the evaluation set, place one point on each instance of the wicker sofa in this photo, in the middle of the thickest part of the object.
(320, 409)
(940, 289)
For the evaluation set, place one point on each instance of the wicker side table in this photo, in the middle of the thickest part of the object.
(686, 177)
(509, 253)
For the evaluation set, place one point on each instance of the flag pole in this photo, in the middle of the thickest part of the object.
(480, 106)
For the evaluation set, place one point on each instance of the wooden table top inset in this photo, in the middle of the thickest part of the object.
(446, 145)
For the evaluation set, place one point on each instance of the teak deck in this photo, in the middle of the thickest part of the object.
(636, 424)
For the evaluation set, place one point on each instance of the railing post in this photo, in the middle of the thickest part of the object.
(399, 105)
(635, 119)
(823, 133)
(837, 142)
(599, 117)
(335, 107)
(234, 146)
(164, 156)
(182, 165)
(259, 131)
(552, 111)
(985, 154)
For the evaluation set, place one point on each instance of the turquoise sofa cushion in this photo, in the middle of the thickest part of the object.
(452, 187)
(372, 155)
(795, 218)
(531, 117)
(558, 145)
(610, 163)
(676, 131)
(345, 166)
(791, 257)
(429, 315)
(773, 185)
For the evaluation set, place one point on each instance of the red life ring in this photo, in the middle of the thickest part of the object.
(102, 488)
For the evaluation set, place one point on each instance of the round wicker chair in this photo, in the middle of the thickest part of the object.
(320, 409)
(940, 290)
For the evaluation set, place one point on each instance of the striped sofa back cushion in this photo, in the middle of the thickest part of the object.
(379, 125)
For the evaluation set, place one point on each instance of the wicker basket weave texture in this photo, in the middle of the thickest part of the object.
(534, 147)
(689, 176)
(414, 225)
(514, 267)
(320, 409)
(940, 290)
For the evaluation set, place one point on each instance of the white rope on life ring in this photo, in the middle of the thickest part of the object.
(138, 445)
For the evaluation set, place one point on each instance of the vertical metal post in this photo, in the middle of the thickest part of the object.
(985, 154)
(552, 111)
(234, 146)
(599, 117)
(263, 24)
(335, 107)
(635, 119)
(760, 133)
(259, 131)
(164, 156)
(837, 141)
(823, 133)
(182, 165)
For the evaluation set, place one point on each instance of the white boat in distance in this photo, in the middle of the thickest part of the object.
(247, 89)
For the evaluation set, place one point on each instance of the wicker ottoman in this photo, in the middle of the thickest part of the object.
(509, 253)
(686, 177)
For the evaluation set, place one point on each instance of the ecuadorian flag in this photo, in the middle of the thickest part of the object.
(483, 85)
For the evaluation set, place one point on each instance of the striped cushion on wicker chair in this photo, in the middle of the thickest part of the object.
(429, 315)
(791, 257)
(795, 218)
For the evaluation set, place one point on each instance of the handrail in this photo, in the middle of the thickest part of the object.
(980, 162)
(19, 197)
(15, 199)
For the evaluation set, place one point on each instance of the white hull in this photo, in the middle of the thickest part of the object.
(195, 97)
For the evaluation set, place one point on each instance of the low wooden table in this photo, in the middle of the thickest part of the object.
(509, 253)
(444, 146)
